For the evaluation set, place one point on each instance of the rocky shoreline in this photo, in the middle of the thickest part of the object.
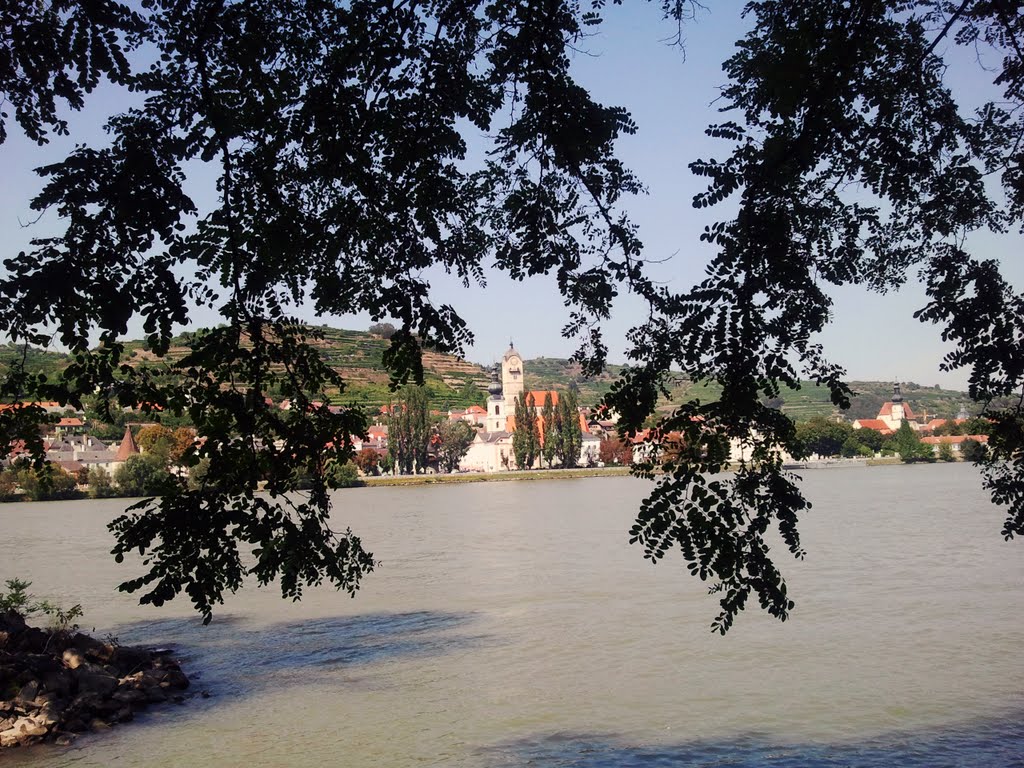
(55, 685)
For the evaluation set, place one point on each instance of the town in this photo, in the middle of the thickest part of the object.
(138, 456)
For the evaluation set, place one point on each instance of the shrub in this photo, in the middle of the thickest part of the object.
(19, 600)
(100, 484)
(143, 476)
(343, 475)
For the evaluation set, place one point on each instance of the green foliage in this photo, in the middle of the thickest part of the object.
(824, 437)
(570, 432)
(18, 599)
(345, 475)
(100, 484)
(454, 439)
(337, 133)
(409, 430)
(551, 429)
(908, 445)
(48, 483)
(972, 450)
(169, 445)
(945, 452)
(526, 438)
(144, 475)
(8, 484)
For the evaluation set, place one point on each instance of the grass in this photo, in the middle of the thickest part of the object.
(496, 477)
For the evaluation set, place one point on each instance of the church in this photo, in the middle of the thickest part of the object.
(491, 449)
(891, 415)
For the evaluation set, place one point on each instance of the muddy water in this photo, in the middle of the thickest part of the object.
(511, 624)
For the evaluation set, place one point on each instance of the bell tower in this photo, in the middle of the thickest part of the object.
(512, 375)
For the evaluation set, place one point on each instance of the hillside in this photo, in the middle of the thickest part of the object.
(455, 383)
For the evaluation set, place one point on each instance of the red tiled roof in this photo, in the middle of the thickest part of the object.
(69, 422)
(886, 410)
(876, 424)
(128, 446)
(539, 395)
(476, 409)
(953, 439)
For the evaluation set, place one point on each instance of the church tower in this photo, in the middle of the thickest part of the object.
(512, 375)
(497, 415)
(898, 412)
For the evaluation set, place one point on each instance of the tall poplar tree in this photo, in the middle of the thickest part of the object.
(572, 433)
(547, 417)
(409, 430)
(524, 440)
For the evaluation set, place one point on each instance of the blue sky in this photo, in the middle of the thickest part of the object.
(670, 96)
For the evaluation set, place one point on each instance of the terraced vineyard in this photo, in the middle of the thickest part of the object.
(455, 383)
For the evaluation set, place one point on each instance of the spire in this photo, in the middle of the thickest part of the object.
(128, 446)
(897, 397)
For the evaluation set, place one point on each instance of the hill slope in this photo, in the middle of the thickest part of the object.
(456, 383)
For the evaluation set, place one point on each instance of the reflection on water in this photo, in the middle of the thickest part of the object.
(512, 625)
(985, 744)
(243, 660)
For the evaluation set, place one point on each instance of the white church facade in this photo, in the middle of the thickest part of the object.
(491, 449)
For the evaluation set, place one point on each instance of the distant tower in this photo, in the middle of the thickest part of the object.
(496, 411)
(962, 413)
(898, 411)
(512, 374)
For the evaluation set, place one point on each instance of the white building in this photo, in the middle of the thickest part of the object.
(491, 450)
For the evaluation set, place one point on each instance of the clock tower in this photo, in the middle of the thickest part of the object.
(511, 375)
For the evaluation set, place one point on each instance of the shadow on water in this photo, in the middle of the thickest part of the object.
(234, 658)
(994, 743)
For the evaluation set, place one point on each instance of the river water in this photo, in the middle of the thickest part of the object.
(511, 624)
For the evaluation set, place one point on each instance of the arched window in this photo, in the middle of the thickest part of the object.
(497, 410)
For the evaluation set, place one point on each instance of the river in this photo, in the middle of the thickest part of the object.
(511, 624)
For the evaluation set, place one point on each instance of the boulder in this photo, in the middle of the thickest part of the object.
(57, 685)
(73, 658)
(28, 692)
(99, 682)
(129, 660)
(94, 649)
(11, 625)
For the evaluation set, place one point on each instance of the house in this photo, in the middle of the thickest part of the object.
(955, 442)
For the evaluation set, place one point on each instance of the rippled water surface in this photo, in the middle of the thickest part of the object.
(511, 624)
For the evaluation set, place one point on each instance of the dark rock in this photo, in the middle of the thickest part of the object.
(129, 696)
(59, 681)
(28, 692)
(32, 640)
(155, 695)
(65, 739)
(129, 660)
(53, 685)
(11, 623)
(94, 649)
(100, 682)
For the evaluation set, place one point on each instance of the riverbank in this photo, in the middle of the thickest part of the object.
(496, 477)
(58, 683)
